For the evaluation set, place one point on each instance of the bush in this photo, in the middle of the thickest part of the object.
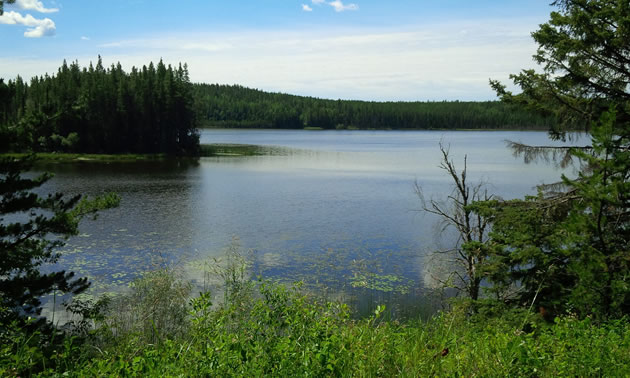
(281, 331)
(156, 309)
(263, 328)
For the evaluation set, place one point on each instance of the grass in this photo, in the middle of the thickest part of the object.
(265, 329)
(206, 150)
(54, 157)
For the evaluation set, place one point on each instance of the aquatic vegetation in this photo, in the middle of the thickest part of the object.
(281, 331)
(218, 149)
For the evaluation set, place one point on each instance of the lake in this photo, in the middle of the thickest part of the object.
(335, 209)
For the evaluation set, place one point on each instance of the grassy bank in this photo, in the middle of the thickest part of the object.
(205, 150)
(55, 157)
(265, 329)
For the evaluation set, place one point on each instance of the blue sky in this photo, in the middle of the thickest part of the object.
(355, 49)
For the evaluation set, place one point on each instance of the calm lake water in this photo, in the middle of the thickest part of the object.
(336, 209)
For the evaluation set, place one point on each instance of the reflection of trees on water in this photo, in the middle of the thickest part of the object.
(150, 228)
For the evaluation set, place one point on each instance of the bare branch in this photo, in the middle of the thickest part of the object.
(470, 226)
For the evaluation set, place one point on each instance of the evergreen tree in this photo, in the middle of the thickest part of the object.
(32, 228)
(99, 110)
(569, 247)
(584, 51)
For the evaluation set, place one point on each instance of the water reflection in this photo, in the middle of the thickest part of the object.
(335, 209)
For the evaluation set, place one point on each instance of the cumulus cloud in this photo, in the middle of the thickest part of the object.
(36, 28)
(35, 5)
(306, 8)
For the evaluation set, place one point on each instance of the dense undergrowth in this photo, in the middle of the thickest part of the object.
(262, 328)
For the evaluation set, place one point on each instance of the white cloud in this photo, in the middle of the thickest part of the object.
(426, 62)
(37, 28)
(35, 5)
(340, 7)
(170, 43)
(204, 46)
(84, 38)
(429, 62)
(306, 8)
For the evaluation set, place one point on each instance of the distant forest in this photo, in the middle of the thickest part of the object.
(156, 109)
(237, 106)
(100, 110)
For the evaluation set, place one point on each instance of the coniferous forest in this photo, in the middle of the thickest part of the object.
(100, 110)
(156, 109)
(237, 106)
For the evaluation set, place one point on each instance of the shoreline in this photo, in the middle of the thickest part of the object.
(379, 129)
(62, 157)
(205, 150)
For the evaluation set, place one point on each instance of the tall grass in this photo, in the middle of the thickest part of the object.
(265, 329)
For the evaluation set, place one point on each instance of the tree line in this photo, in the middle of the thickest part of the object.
(236, 106)
(156, 109)
(100, 110)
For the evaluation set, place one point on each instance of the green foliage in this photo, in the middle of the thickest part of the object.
(56, 157)
(286, 333)
(570, 248)
(568, 251)
(236, 106)
(598, 223)
(583, 50)
(154, 310)
(31, 229)
(98, 110)
(27, 349)
(279, 331)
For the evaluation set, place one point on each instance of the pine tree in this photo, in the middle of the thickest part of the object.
(32, 228)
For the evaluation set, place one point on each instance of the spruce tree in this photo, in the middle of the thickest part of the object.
(568, 248)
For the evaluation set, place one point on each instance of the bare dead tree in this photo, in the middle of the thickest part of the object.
(466, 255)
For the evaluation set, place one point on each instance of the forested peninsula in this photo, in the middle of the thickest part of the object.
(98, 110)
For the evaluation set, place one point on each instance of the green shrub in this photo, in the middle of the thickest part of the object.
(155, 309)
(266, 329)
